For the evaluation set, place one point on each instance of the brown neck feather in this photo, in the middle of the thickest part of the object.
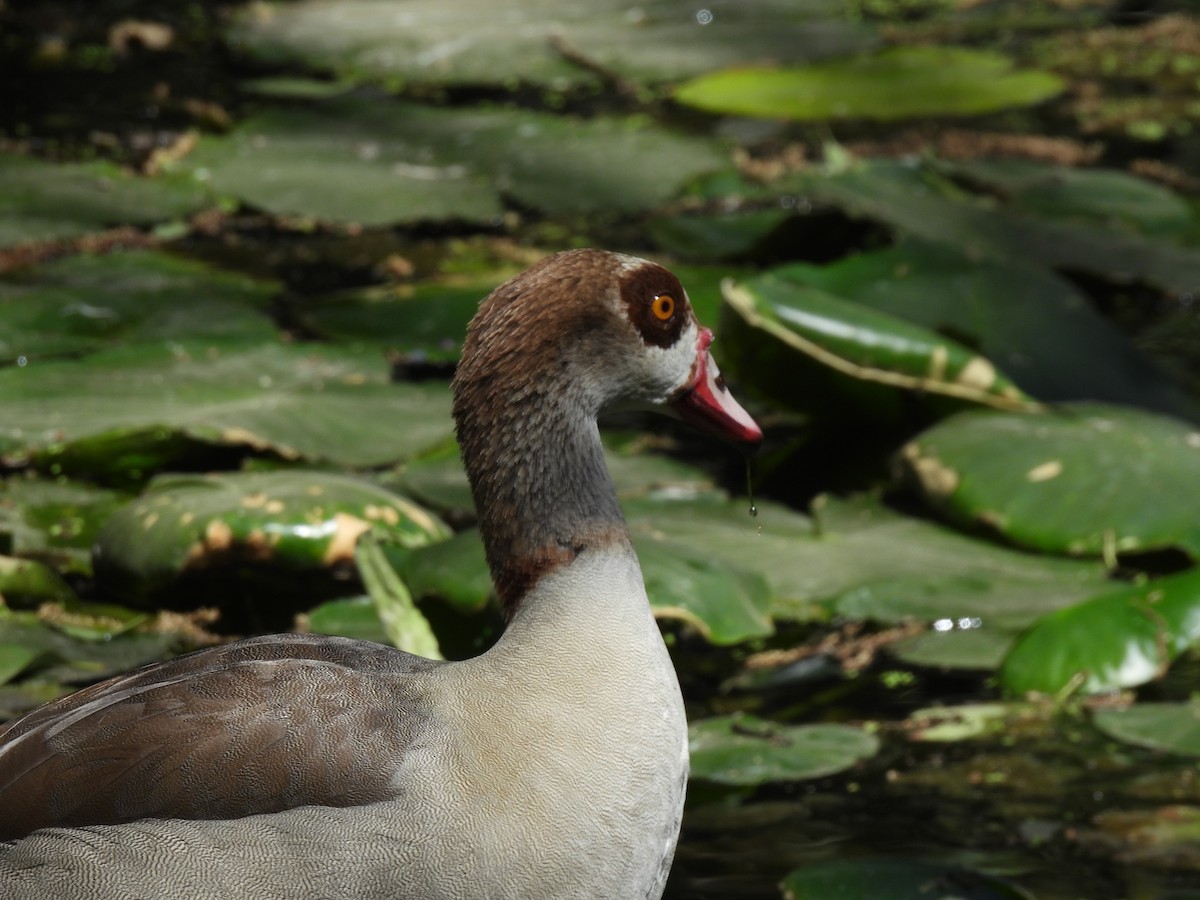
(526, 424)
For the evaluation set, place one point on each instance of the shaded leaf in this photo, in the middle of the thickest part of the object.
(877, 879)
(896, 83)
(1119, 639)
(1035, 325)
(352, 617)
(154, 402)
(378, 162)
(1074, 481)
(1169, 727)
(913, 200)
(44, 201)
(746, 750)
(449, 42)
(83, 303)
(28, 583)
(54, 519)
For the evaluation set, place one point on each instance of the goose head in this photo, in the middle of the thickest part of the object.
(588, 331)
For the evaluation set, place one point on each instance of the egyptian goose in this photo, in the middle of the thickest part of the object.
(551, 766)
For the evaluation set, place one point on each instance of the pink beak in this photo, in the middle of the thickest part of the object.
(709, 406)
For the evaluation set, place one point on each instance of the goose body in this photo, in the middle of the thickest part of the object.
(304, 766)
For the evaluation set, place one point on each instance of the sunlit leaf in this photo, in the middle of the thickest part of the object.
(1034, 324)
(822, 354)
(149, 406)
(1073, 481)
(405, 626)
(1119, 639)
(291, 520)
(897, 83)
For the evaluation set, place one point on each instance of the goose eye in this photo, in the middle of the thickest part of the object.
(663, 307)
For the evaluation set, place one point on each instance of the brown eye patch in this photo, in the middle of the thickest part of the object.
(656, 304)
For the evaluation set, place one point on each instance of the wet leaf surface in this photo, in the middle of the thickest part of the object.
(1122, 638)
(850, 358)
(1075, 481)
(291, 520)
(1169, 727)
(1033, 324)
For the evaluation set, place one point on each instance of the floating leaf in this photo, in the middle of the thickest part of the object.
(876, 879)
(896, 83)
(1102, 196)
(745, 750)
(1169, 727)
(45, 201)
(1118, 639)
(148, 405)
(1035, 325)
(449, 42)
(83, 303)
(14, 659)
(913, 200)
(820, 353)
(28, 583)
(1073, 481)
(865, 561)
(291, 520)
(55, 519)
(380, 162)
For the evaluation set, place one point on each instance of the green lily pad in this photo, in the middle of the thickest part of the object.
(724, 602)
(57, 520)
(147, 406)
(425, 321)
(46, 201)
(26, 583)
(1119, 639)
(291, 520)
(979, 648)
(1100, 196)
(1169, 727)
(14, 659)
(449, 42)
(896, 83)
(866, 561)
(828, 356)
(1074, 481)
(352, 617)
(897, 879)
(382, 162)
(916, 201)
(83, 303)
(1034, 324)
(746, 750)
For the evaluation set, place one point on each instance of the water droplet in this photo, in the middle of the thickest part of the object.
(704, 16)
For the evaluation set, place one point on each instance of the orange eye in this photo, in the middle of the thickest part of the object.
(663, 307)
